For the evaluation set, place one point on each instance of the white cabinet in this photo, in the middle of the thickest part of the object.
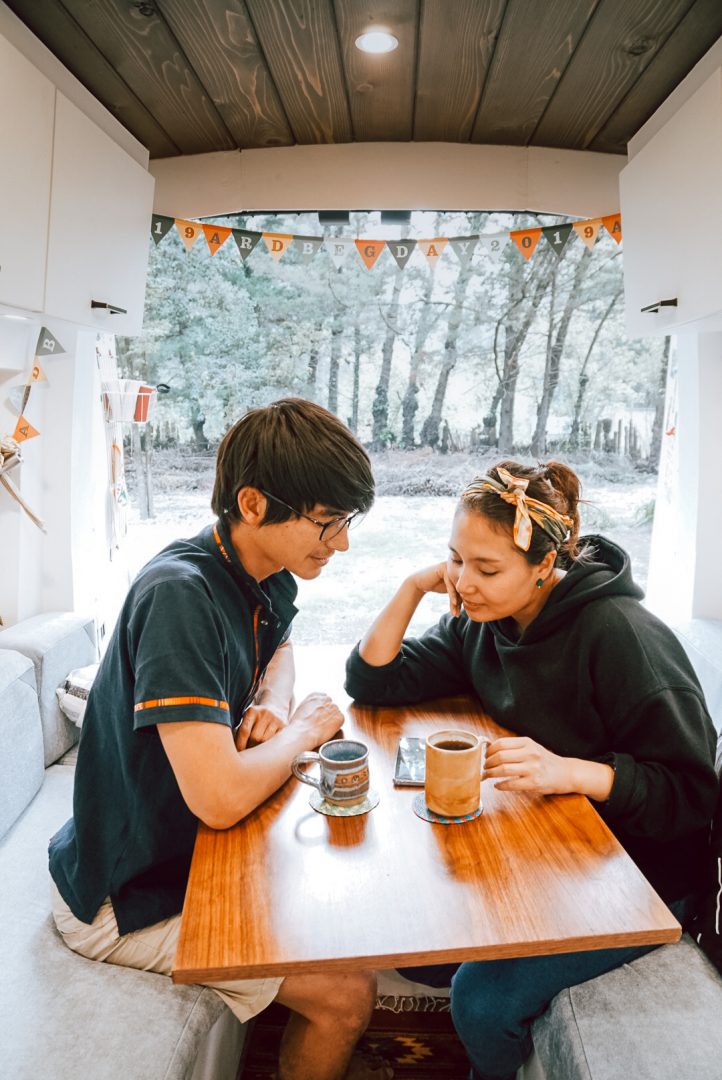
(100, 211)
(27, 101)
(671, 201)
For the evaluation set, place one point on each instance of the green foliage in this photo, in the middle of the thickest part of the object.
(227, 335)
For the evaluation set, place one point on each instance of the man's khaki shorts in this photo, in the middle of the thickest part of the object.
(151, 949)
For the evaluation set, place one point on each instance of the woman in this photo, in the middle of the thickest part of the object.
(550, 634)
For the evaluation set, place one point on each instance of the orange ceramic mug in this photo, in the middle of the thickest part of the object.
(454, 765)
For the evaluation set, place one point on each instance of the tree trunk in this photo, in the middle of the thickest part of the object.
(143, 477)
(430, 428)
(380, 407)
(312, 369)
(353, 418)
(555, 352)
(198, 421)
(655, 447)
(523, 315)
(409, 403)
(335, 360)
(583, 380)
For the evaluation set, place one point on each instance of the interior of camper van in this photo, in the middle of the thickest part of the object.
(351, 883)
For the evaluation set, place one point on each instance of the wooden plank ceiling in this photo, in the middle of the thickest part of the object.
(190, 76)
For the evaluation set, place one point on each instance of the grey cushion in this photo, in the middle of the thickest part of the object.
(658, 1018)
(21, 737)
(65, 1017)
(56, 643)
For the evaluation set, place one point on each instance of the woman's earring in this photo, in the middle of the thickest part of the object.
(539, 582)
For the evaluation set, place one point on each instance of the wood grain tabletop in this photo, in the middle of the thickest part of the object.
(289, 890)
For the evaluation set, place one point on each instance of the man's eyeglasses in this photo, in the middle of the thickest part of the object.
(329, 529)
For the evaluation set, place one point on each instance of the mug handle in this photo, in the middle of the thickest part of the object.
(485, 741)
(308, 756)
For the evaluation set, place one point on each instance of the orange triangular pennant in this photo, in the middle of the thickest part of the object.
(24, 430)
(276, 243)
(216, 236)
(526, 240)
(588, 230)
(189, 231)
(369, 250)
(613, 224)
(36, 374)
(432, 249)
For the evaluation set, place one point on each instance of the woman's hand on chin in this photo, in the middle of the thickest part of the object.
(436, 579)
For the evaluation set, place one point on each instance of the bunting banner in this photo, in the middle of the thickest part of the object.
(464, 248)
(18, 398)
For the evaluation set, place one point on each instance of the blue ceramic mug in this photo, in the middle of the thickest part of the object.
(344, 775)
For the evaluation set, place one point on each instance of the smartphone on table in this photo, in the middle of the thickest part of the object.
(410, 767)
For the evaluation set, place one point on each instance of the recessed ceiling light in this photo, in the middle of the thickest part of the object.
(377, 41)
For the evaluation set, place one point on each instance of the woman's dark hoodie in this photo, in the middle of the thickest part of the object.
(594, 676)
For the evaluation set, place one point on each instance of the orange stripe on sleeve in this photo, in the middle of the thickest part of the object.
(159, 703)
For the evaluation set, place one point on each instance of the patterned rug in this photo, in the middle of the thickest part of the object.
(418, 1046)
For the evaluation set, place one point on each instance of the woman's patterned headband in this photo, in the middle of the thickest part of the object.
(512, 489)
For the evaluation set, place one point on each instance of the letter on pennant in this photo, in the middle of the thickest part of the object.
(160, 226)
(307, 246)
(588, 230)
(613, 224)
(277, 243)
(24, 430)
(246, 241)
(433, 249)
(494, 245)
(216, 236)
(47, 344)
(526, 240)
(402, 250)
(463, 247)
(369, 250)
(36, 374)
(557, 236)
(189, 231)
(338, 248)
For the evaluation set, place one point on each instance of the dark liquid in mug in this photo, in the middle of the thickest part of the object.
(454, 744)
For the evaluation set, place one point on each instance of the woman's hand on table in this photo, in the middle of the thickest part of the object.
(520, 764)
(319, 717)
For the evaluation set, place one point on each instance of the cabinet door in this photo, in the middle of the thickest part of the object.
(27, 101)
(100, 211)
(671, 199)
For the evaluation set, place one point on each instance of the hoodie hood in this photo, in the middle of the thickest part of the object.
(605, 572)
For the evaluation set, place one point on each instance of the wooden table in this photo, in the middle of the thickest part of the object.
(289, 890)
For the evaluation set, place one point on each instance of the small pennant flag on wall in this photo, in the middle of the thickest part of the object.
(526, 240)
(557, 236)
(246, 241)
(189, 231)
(24, 430)
(613, 224)
(15, 398)
(494, 245)
(338, 248)
(160, 226)
(216, 236)
(36, 375)
(463, 247)
(369, 250)
(588, 230)
(47, 345)
(433, 249)
(277, 243)
(307, 246)
(402, 250)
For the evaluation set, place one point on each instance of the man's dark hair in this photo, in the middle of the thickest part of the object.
(297, 451)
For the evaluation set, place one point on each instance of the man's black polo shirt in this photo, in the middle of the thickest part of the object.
(191, 643)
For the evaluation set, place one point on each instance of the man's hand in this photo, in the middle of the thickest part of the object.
(319, 717)
(260, 722)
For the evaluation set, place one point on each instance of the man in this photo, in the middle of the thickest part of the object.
(190, 718)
